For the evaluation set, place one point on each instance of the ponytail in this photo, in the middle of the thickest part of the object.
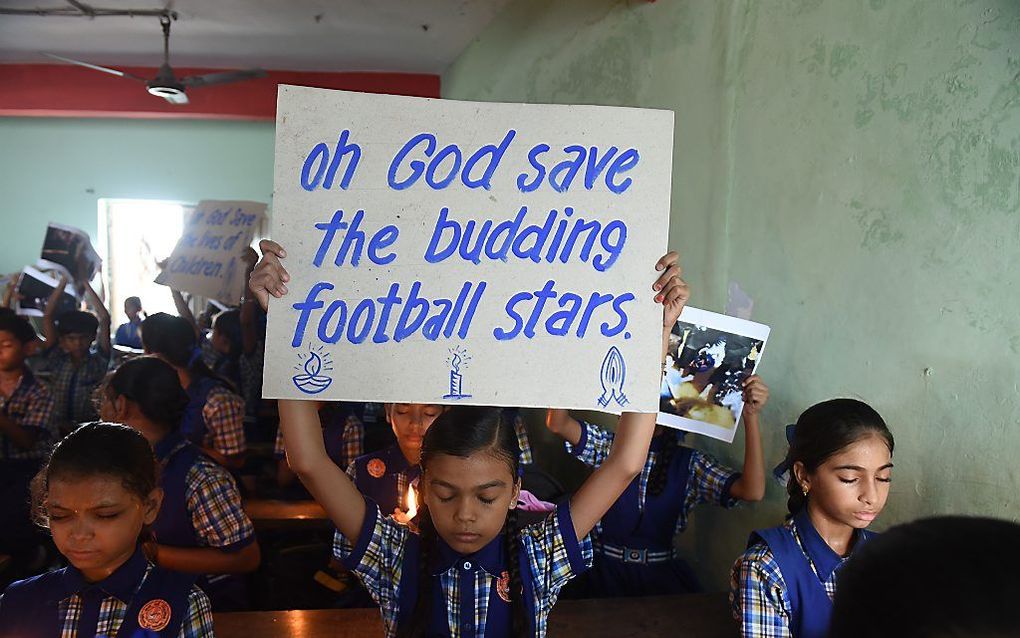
(518, 610)
(659, 475)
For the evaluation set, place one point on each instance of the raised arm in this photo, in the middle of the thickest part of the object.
(9, 292)
(560, 423)
(103, 336)
(751, 484)
(181, 304)
(634, 433)
(249, 333)
(299, 420)
(184, 310)
(49, 315)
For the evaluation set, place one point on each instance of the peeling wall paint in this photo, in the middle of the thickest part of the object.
(855, 165)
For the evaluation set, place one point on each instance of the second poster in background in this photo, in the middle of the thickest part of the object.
(708, 358)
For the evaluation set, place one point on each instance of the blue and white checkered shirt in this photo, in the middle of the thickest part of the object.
(709, 480)
(553, 553)
(31, 407)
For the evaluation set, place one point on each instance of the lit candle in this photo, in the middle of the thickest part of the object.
(412, 503)
(405, 518)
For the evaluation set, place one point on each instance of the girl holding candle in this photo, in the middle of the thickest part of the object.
(509, 578)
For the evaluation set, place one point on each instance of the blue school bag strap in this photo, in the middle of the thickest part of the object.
(162, 589)
(193, 425)
(810, 607)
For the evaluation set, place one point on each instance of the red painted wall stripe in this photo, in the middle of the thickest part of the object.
(56, 90)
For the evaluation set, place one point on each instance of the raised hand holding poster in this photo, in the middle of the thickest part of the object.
(207, 259)
(708, 358)
(483, 253)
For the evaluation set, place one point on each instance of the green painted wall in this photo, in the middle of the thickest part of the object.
(855, 166)
(57, 169)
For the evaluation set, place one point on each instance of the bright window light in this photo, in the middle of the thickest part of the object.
(134, 235)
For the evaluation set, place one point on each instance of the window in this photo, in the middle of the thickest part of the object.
(135, 234)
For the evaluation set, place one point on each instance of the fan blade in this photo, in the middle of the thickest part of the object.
(222, 77)
(177, 98)
(95, 67)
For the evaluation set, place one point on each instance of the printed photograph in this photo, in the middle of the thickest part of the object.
(709, 357)
(34, 290)
(71, 248)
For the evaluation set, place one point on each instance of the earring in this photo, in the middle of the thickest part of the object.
(804, 490)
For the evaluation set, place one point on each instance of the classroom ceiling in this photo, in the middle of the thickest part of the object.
(415, 36)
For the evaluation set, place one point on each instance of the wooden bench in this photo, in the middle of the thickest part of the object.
(274, 514)
(693, 616)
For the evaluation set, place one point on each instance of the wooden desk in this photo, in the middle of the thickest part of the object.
(692, 616)
(276, 514)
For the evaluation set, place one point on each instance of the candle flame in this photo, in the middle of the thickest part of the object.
(412, 502)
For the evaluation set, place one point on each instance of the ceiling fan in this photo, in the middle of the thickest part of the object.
(165, 84)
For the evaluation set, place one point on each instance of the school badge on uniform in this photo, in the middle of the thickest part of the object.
(376, 468)
(503, 586)
(155, 615)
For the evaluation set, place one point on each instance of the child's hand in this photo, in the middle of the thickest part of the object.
(756, 394)
(556, 418)
(269, 276)
(250, 256)
(672, 291)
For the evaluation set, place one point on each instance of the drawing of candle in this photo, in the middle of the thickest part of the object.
(614, 371)
(456, 378)
(313, 381)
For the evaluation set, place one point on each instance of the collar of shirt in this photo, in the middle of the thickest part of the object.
(822, 556)
(169, 444)
(121, 584)
(490, 558)
(23, 386)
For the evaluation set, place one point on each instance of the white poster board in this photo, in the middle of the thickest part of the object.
(207, 258)
(708, 358)
(480, 253)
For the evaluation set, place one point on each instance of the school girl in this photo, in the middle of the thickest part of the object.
(227, 342)
(840, 464)
(343, 434)
(201, 528)
(634, 553)
(505, 579)
(98, 494)
(385, 476)
(214, 418)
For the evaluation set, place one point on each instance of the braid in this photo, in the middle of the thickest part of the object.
(660, 470)
(518, 611)
(418, 623)
(796, 499)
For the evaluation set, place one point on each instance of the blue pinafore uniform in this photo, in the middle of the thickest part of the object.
(633, 542)
(384, 476)
(805, 567)
(173, 526)
(193, 425)
(42, 606)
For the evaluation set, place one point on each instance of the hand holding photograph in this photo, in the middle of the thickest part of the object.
(709, 357)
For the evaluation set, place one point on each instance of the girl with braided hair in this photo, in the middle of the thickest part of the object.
(470, 570)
